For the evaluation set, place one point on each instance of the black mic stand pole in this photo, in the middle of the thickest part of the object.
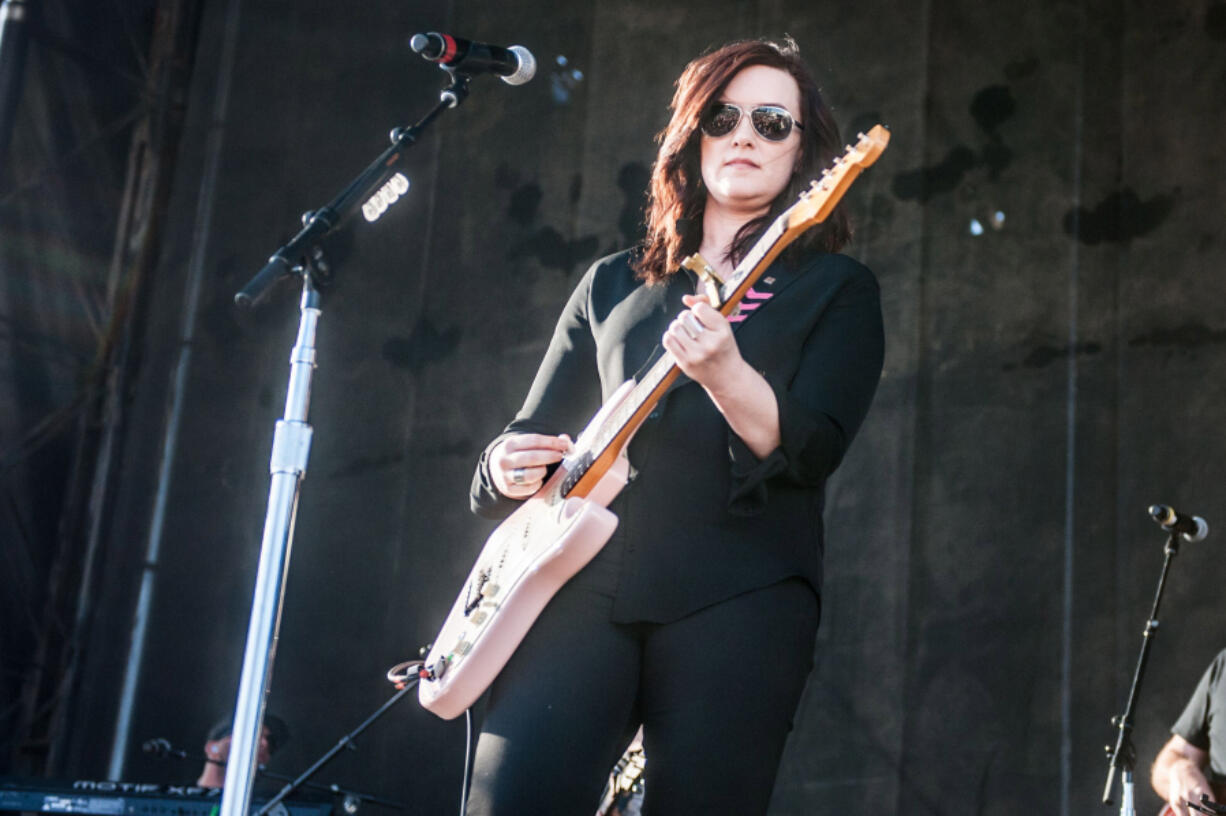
(352, 798)
(346, 741)
(1123, 757)
(291, 450)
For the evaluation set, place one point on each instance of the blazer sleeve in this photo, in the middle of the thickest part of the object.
(565, 393)
(822, 407)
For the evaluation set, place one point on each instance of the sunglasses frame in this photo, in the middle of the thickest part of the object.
(740, 112)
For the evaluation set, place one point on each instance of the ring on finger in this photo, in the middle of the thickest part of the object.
(692, 327)
(517, 476)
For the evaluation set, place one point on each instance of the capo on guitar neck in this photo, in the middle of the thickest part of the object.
(707, 275)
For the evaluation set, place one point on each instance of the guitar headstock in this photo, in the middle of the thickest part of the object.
(824, 193)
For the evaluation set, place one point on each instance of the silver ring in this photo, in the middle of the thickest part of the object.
(517, 476)
(691, 325)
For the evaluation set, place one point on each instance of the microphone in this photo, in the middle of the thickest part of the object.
(161, 747)
(1192, 528)
(515, 65)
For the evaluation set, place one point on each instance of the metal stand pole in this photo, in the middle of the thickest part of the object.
(1123, 757)
(346, 741)
(291, 449)
(292, 444)
(14, 41)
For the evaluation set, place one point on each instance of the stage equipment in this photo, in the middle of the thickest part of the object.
(1192, 528)
(1123, 757)
(515, 65)
(14, 42)
(1204, 806)
(162, 748)
(127, 799)
(292, 438)
(351, 799)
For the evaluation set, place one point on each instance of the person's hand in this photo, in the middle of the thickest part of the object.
(518, 464)
(1186, 783)
(217, 752)
(701, 342)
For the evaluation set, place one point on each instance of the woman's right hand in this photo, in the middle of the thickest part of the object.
(518, 463)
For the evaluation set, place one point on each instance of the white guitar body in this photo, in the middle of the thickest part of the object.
(524, 562)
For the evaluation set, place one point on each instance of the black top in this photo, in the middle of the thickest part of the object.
(703, 519)
(1203, 721)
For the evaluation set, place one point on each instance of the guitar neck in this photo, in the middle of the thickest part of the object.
(605, 443)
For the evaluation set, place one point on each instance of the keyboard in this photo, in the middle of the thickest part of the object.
(131, 799)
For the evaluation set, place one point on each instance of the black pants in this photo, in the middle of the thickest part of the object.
(715, 692)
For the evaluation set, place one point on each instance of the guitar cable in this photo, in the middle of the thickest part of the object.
(468, 743)
(414, 671)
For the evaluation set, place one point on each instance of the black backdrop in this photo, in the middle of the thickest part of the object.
(1045, 226)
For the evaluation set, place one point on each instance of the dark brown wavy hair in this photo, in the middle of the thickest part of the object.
(677, 196)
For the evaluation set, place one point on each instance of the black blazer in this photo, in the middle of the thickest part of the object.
(703, 519)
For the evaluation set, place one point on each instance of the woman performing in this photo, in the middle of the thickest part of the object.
(698, 618)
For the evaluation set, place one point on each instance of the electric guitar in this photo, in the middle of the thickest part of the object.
(623, 793)
(555, 532)
(1219, 793)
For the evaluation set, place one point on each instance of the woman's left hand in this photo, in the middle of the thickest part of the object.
(701, 341)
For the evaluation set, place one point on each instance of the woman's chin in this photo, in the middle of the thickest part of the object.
(734, 200)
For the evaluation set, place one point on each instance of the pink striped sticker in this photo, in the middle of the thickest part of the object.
(745, 307)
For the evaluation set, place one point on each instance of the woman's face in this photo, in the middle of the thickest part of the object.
(742, 170)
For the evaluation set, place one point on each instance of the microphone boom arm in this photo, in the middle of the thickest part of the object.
(320, 222)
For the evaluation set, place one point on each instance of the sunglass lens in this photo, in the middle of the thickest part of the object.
(773, 123)
(721, 120)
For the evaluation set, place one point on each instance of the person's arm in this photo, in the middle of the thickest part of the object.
(1178, 774)
(701, 342)
(564, 393)
(797, 430)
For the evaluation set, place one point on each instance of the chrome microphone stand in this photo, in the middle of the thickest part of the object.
(292, 439)
(291, 449)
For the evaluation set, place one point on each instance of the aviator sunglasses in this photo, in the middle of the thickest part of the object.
(772, 122)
